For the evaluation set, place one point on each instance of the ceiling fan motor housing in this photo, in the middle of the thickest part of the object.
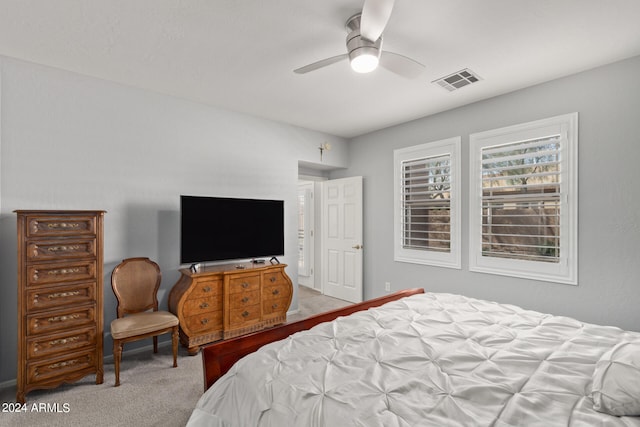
(357, 46)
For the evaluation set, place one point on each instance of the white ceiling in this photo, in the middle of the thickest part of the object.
(239, 54)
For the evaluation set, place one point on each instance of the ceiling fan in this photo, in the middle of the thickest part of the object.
(364, 44)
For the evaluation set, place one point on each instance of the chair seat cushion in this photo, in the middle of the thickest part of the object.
(142, 323)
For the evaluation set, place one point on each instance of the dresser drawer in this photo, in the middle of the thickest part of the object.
(60, 320)
(60, 343)
(275, 292)
(61, 249)
(275, 305)
(40, 298)
(202, 305)
(40, 274)
(43, 226)
(206, 288)
(242, 316)
(244, 284)
(38, 372)
(204, 322)
(244, 299)
(275, 278)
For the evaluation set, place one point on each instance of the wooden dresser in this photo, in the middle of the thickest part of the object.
(60, 318)
(225, 301)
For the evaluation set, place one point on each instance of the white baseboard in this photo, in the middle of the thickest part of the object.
(8, 384)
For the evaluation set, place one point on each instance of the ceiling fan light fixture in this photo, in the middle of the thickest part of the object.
(364, 62)
(364, 55)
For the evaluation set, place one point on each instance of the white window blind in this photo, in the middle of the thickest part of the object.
(426, 204)
(426, 201)
(521, 202)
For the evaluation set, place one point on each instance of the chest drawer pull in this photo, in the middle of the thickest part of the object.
(63, 248)
(274, 306)
(244, 285)
(275, 292)
(63, 341)
(63, 294)
(204, 305)
(63, 271)
(63, 318)
(245, 299)
(63, 364)
(206, 289)
(204, 321)
(245, 313)
(272, 279)
(63, 225)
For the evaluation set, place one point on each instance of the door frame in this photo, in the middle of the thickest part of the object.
(317, 229)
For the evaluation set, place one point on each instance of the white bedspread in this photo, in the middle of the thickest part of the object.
(427, 360)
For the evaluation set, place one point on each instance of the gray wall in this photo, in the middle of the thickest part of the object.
(74, 142)
(608, 102)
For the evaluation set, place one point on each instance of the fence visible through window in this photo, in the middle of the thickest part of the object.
(521, 200)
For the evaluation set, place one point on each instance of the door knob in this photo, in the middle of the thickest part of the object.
(357, 247)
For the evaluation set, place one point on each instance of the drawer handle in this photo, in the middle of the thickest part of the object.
(63, 364)
(206, 289)
(274, 306)
(63, 225)
(204, 305)
(63, 294)
(245, 285)
(245, 299)
(63, 271)
(63, 341)
(275, 292)
(272, 279)
(63, 318)
(245, 314)
(63, 248)
(204, 321)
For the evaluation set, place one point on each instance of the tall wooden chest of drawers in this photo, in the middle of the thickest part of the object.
(226, 301)
(60, 291)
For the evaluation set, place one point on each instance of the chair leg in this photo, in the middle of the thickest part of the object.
(174, 344)
(117, 355)
(155, 344)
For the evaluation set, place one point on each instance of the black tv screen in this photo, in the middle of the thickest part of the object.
(218, 228)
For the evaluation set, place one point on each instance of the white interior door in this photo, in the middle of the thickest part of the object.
(342, 238)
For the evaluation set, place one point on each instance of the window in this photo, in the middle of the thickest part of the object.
(523, 206)
(426, 207)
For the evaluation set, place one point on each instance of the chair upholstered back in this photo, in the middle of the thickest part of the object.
(135, 283)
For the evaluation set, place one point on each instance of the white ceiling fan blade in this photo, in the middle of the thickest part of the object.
(375, 15)
(320, 64)
(401, 65)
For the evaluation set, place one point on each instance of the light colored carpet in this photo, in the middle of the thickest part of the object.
(312, 302)
(151, 392)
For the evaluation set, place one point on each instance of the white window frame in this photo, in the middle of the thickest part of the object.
(452, 259)
(566, 270)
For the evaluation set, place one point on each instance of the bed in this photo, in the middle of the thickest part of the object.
(425, 359)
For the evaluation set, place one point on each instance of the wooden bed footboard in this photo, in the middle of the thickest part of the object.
(219, 357)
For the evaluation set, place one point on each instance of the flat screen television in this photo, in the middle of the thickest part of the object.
(220, 228)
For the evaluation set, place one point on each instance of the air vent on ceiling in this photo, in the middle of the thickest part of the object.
(457, 80)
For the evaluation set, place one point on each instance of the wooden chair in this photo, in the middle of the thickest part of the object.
(135, 282)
